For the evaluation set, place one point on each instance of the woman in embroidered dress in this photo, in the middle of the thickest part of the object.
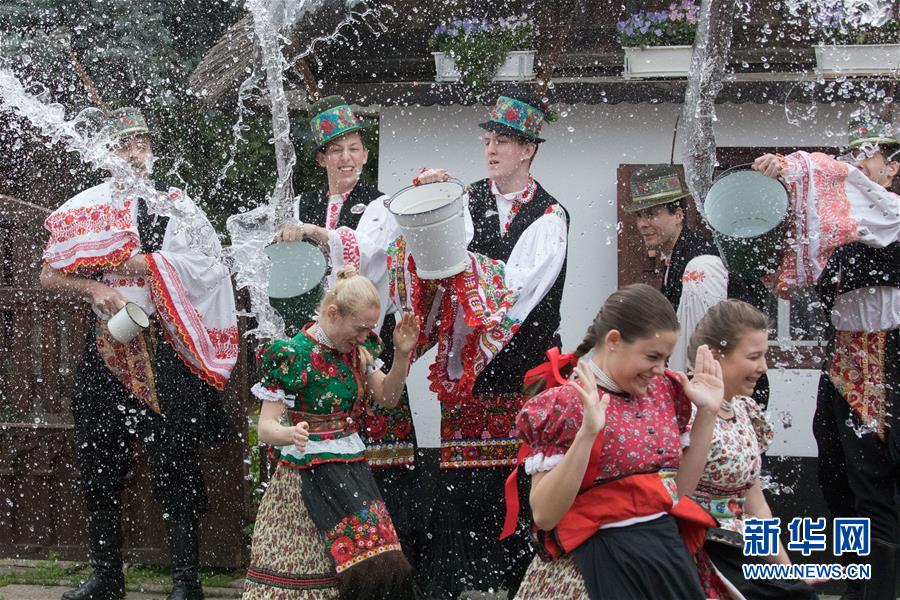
(323, 530)
(729, 488)
(606, 470)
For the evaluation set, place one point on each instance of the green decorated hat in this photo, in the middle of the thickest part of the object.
(655, 185)
(126, 122)
(873, 132)
(522, 116)
(331, 119)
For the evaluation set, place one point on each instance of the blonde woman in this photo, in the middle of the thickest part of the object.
(323, 530)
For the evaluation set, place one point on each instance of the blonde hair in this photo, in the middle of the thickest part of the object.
(723, 325)
(350, 293)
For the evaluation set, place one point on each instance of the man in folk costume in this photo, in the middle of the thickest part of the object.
(847, 225)
(694, 278)
(162, 387)
(388, 432)
(491, 323)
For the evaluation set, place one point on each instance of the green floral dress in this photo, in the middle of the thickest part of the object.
(322, 387)
(327, 488)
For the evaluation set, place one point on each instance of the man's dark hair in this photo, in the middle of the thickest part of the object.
(673, 206)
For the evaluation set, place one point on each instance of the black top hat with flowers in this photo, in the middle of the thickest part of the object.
(521, 115)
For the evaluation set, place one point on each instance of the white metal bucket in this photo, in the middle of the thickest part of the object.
(126, 324)
(746, 211)
(297, 267)
(432, 219)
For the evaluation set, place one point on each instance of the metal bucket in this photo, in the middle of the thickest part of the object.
(746, 211)
(295, 281)
(432, 219)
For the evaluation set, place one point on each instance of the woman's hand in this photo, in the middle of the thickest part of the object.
(706, 388)
(300, 435)
(594, 406)
(431, 176)
(106, 299)
(406, 333)
(769, 165)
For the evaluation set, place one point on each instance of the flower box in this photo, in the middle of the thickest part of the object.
(518, 66)
(657, 61)
(869, 59)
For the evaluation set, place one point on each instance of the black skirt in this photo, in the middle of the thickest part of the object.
(464, 550)
(728, 560)
(637, 562)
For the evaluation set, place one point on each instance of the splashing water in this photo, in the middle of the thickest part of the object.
(841, 14)
(252, 231)
(89, 136)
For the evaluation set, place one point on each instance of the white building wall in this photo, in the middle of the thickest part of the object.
(578, 166)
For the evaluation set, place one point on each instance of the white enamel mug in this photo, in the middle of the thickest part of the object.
(126, 324)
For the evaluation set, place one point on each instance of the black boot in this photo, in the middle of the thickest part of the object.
(105, 544)
(883, 584)
(184, 546)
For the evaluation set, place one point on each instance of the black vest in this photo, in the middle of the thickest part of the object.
(313, 206)
(857, 266)
(689, 246)
(539, 331)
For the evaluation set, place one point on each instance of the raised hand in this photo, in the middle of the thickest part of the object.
(594, 406)
(406, 333)
(300, 435)
(706, 388)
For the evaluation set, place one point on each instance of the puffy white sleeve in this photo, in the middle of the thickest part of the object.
(704, 284)
(536, 261)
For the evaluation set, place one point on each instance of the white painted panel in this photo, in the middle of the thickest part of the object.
(792, 404)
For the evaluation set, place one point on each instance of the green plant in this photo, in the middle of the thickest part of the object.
(676, 26)
(479, 47)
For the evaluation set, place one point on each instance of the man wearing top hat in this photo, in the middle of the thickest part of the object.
(857, 411)
(162, 387)
(694, 277)
(518, 222)
(389, 434)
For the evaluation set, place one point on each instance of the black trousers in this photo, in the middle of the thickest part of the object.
(109, 421)
(859, 475)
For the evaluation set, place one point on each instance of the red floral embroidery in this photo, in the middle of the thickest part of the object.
(480, 432)
(376, 426)
(362, 535)
(511, 115)
(402, 429)
(225, 341)
(100, 218)
(318, 361)
(327, 125)
(349, 247)
(693, 277)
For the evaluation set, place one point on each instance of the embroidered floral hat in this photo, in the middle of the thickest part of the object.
(873, 132)
(127, 121)
(331, 119)
(655, 185)
(522, 116)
